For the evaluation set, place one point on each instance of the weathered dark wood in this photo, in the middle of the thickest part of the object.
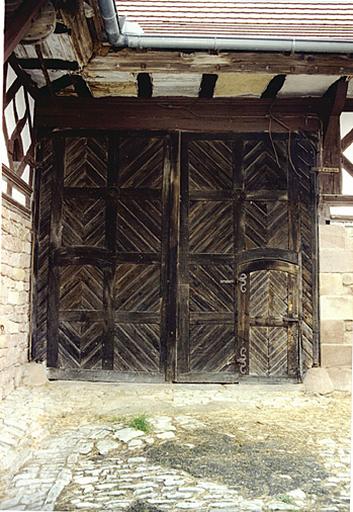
(268, 254)
(56, 85)
(208, 378)
(103, 375)
(18, 182)
(144, 84)
(110, 242)
(208, 84)
(183, 362)
(347, 165)
(137, 288)
(35, 262)
(11, 92)
(18, 25)
(241, 342)
(54, 244)
(173, 244)
(166, 198)
(200, 317)
(347, 140)
(336, 96)
(337, 199)
(81, 87)
(211, 259)
(274, 87)
(16, 204)
(268, 264)
(49, 64)
(219, 115)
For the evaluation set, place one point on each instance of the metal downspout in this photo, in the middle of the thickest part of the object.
(110, 20)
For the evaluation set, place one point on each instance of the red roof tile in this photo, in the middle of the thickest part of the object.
(320, 20)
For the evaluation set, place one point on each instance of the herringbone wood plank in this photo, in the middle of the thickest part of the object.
(81, 288)
(137, 348)
(212, 348)
(268, 348)
(85, 162)
(83, 221)
(137, 288)
(260, 166)
(211, 227)
(210, 165)
(139, 226)
(80, 345)
(141, 162)
(269, 294)
(211, 288)
(266, 224)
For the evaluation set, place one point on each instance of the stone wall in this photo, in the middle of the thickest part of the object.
(336, 294)
(14, 296)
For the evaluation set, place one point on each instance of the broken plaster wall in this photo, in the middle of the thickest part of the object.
(336, 294)
(14, 296)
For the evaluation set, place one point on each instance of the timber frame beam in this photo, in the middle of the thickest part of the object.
(171, 114)
(336, 96)
(275, 63)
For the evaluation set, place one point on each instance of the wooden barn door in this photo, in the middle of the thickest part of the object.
(174, 257)
(109, 248)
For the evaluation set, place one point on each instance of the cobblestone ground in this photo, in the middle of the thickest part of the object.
(75, 446)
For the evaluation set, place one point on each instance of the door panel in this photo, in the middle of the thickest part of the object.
(206, 344)
(272, 324)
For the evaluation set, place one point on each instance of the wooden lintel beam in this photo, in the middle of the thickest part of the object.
(170, 114)
(17, 27)
(273, 63)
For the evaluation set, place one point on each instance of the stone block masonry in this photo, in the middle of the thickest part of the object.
(336, 294)
(14, 296)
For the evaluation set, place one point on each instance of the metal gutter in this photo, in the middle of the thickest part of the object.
(120, 39)
(291, 45)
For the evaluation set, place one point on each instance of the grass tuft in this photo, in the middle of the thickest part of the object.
(140, 423)
(286, 499)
